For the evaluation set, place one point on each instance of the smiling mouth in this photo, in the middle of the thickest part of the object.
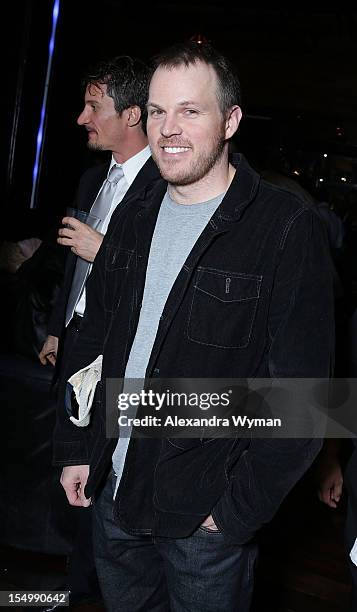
(174, 150)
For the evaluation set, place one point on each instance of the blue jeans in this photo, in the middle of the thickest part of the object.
(203, 572)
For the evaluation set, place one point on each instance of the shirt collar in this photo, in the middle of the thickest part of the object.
(132, 165)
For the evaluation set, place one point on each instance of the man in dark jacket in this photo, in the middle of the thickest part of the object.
(214, 274)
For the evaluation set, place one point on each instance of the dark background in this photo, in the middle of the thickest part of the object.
(297, 70)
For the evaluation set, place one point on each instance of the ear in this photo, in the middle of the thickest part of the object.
(232, 121)
(134, 115)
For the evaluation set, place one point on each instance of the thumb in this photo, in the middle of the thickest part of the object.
(85, 502)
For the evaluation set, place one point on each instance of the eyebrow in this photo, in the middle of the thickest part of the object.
(183, 103)
(187, 103)
(153, 104)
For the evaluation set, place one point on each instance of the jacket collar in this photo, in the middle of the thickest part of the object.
(149, 173)
(240, 193)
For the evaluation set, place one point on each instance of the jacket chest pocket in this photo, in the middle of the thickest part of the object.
(223, 308)
(117, 262)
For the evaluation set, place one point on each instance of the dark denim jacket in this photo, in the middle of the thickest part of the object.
(277, 322)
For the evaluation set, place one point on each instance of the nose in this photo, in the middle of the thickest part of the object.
(83, 118)
(170, 126)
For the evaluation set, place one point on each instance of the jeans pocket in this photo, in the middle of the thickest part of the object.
(208, 531)
(223, 308)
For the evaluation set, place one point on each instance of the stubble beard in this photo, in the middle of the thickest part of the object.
(94, 146)
(201, 167)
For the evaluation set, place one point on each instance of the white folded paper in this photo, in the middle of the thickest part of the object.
(353, 553)
(84, 383)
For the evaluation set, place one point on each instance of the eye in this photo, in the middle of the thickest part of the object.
(155, 112)
(190, 112)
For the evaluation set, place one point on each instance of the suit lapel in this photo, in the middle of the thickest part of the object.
(148, 173)
(89, 185)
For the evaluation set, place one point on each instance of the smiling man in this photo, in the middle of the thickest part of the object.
(216, 274)
(188, 133)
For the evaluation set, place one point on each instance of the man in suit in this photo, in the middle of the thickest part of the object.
(214, 275)
(114, 118)
(114, 109)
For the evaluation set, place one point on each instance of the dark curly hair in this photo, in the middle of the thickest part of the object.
(126, 78)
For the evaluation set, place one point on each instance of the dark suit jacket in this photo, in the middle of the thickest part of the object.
(89, 185)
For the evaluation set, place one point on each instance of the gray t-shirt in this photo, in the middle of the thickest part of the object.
(177, 229)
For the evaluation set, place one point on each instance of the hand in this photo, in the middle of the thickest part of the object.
(83, 240)
(49, 351)
(330, 482)
(73, 480)
(210, 524)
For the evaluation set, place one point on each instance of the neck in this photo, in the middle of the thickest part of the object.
(210, 186)
(136, 142)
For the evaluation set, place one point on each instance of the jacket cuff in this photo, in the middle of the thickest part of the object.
(73, 452)
(229, 523)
